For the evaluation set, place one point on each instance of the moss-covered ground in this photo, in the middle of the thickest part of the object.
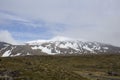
(82, 67)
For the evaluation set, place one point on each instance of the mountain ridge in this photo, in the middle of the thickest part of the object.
(57, 46)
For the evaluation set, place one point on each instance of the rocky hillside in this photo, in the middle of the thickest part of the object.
(56, 46)
(8, 50)
(62, 45)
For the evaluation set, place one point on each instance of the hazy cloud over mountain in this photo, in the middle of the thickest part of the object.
(95, 20)
(5, 36)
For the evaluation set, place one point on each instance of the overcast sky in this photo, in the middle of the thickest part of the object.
(92, 20)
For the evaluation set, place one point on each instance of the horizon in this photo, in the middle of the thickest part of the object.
(91, 20)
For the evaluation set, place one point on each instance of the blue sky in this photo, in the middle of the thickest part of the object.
(93, 20)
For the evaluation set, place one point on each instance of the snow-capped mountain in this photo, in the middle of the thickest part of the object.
(56, 46)
(63, 45)
(58, 38)
(9, 50)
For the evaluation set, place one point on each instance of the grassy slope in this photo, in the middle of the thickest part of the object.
(61, 67)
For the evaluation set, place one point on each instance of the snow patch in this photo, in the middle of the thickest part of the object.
(7, 53)
(28, 53)
(87, 48)
(67, 45)
(18, 54)
(3, 49)
(35, 47)
(44, 49)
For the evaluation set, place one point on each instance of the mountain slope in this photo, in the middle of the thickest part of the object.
(63, 45)
(56, 46)
(9, 50)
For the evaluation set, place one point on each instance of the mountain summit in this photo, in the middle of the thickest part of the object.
(54, 39)
(64, 45)
(58, 38)
(57, 46)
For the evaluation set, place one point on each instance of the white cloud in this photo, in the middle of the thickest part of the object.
(96, 20)
(5, 36)
(106, 30)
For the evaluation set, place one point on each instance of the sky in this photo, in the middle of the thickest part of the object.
(92, 20)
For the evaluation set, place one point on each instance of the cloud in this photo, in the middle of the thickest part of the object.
(96, 20)
(5, 36)
(7, 18)
(61, 11)
(106, 31)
